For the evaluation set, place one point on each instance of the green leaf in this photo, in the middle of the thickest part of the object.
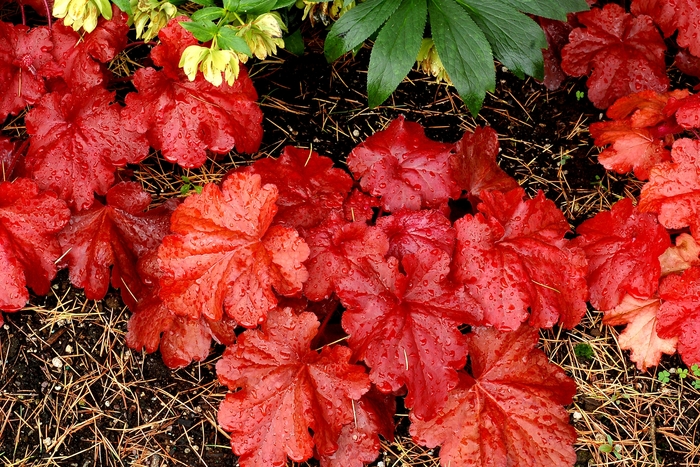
(294, 43)
(209, 13)
(249, 6)
(516, 40)
(205, 2)
(231, 5)
(463, 50)
(202, 30)
(283, 4)
(548, 8)
(124, 5)
(395, 50)
(228, 39)
(357, 25)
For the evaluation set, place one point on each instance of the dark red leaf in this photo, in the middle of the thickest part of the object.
(405, 327)
(359, 206)
(623, 248)
(412, 231)
(670, 15)
(687, 63)
(29, 222)
(309, 187)
(673, 190)
(77, 142)
(25, 60)
(358, 443)
(513, 256)
(474, 164)
(404, 167)
(115, 235)
(663, 12)
(286, 391)
(510, 412)
(223, 254)
(679, 315)
(185, 119)
(11, 155)
(336, 248)
(624, 53)
(557, 35)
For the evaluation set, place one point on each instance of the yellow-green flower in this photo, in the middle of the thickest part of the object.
(82, 13)
(264, 34)
(212, 62)
(154, 13)
(324, 12)
(429, 61)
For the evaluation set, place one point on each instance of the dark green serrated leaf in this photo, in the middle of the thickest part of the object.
(231, 5)
(395, 50)
(209, 13)
(294, 43)
(548, 8)
(516, 40)
(463, 50)
(283, 4)
(123, 5)
(205, 2)
(227, 39)
(250, 6)
(357, 25)
(203, 30)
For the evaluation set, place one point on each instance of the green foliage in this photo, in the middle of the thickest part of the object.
(664, 377)
(467, 35)
(584, 351)
(609, 447)
(187, 187)
(579, 95)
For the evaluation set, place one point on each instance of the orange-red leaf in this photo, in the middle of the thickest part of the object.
(679, 315)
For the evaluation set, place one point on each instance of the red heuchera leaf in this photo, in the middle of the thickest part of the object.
(624, 53)
(109, 37)
(77, 142)
(186, 119)
(116, 235)
(359, 207)
(223, 254)
(405, 327)
(640, 336)
(557, 35)
(25, 60)
(673, 190)
(336, 248)
(687, 63)
(181, 339)
(10, 155)
(679, 315)
(29, 222)
(623, 248)
(474, 164)
(287, 389)
(359, 443)
(513, 255)
(404, 167)
(647, 109)
(510, 412)
(412, 231)
(686, 111)
(309, 187)
(670, 15)
(684, 255)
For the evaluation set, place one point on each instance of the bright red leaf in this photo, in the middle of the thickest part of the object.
(181, 339)
(287, 389)
(474, 164)
(623, 248)
(10, 156)
(673, 190)
(686, 111)
(359, 442)
(359, 206)
(679, 315)
(184, 119)
(223, 254)
(670, 15)
(685, 254)
(309, 187)
(412, 231)
(404, 167)
(114, 235)
(336, 248)
(29, 222)
(77, 141)
(509, 413)
(512, 256)
(640, 336)
(25, 60)
(405, 327)
(622, 53)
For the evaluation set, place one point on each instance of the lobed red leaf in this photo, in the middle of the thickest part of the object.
(679, 315)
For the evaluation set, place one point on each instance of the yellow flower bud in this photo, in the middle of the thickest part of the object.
(212, 63)
(82, 13)
(429, 61)
(264, 34)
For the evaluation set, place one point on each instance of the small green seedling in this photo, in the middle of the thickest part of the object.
(695, 369)
(579, 95)
(188, 186)
(664, 377)
(609, 447)
(682, 373)
(584, 351)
